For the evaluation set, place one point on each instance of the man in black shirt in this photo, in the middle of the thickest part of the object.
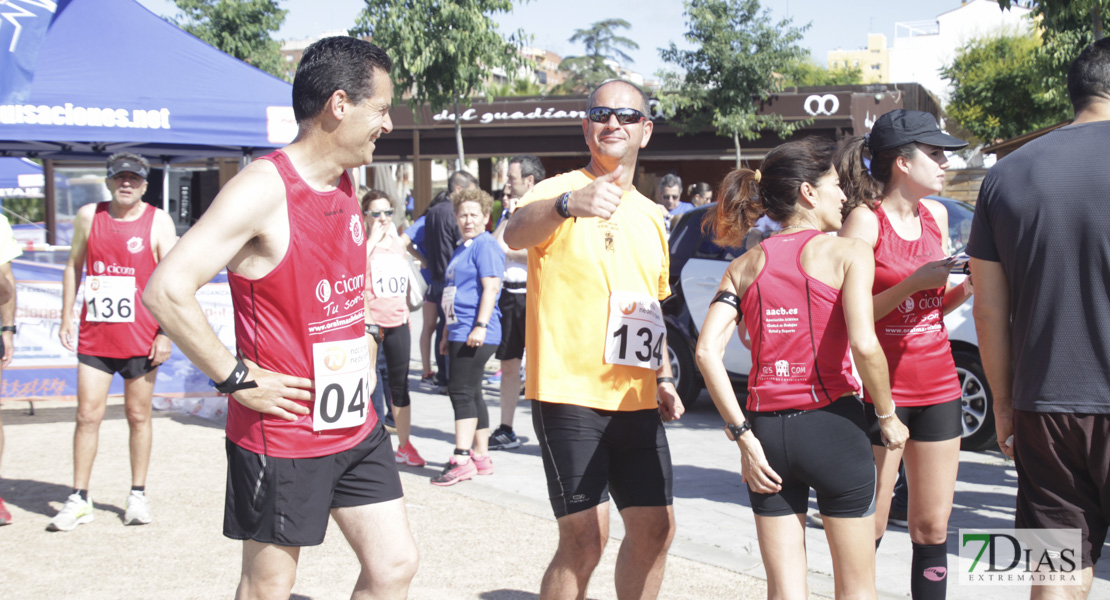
(1040, 248)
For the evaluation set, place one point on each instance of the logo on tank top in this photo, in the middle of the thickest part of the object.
(134, 244)
(335, 358)
(94, 285)
(357, 231)
(906, 306)
(323, 290)
(784, 369)
(99, 268)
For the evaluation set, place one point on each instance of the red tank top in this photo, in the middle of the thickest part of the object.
(799, 337)
(314, 295)
(913, 336)
(118, 252)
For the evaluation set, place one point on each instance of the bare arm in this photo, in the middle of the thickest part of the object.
(71, 275)
(870, 360)
(992, 325)
(164, 236)
(415, 252)
(520, 256)
(7, 313)
(490, 287)
(533, 223)
(247, 205)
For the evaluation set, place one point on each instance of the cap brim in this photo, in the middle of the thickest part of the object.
(942, 140)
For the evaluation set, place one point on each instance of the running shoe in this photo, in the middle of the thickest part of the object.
(138, 509)
(407, 455)
(455, 472)
(495, 378)
(503, 439)
(75, 512)
(898, 518)
(5, 516)
(428, 381)
(484, 464)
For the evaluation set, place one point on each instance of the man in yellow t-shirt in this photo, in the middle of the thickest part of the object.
(9, 249)
(597, 371)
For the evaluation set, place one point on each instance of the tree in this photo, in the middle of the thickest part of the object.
(443, 51)
(732, 71)
(806, 73)
(999, 90)
(242, 28)
(602, 44)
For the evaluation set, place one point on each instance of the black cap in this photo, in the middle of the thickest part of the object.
(126, 165)
(900, 127)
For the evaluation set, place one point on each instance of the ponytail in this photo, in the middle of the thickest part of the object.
(738, 208)
(859, 186)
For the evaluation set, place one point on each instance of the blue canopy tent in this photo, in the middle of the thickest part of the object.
(20, 178)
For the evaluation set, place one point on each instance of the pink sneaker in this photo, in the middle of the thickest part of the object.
(407, 455)
(484, 464)
(455, 472)
(5, 516)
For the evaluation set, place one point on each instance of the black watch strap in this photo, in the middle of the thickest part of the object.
(236, 381)
(10, 328)
(478, 324)
(662, 380)
(735, 431)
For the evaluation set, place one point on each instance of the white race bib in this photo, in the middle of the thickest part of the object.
(448, 304)
(110, 298)
(635, 333)
(390, 276)
(342, 373)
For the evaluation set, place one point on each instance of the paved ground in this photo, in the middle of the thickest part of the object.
(489, 538)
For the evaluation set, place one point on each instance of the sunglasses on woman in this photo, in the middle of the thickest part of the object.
(625, 116)
(377, 213)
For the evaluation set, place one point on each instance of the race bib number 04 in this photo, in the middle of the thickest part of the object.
(390, 276)
(342, 373)
(110, 299)
(635, 333)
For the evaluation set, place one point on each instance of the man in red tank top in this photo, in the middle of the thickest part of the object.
(303, 441)
(118, 243)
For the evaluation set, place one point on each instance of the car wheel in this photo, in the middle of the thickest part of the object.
(976, 402)
(686, 380)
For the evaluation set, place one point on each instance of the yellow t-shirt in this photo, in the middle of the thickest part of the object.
(570, 278)
(9, 247)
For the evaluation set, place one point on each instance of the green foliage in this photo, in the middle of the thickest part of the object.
(732, 70)
(806, 72)
(602, 42)
(31, 209)
(241, 28)
(515, 87)
(999, 89)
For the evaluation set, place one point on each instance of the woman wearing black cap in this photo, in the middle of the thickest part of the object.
(887, 208)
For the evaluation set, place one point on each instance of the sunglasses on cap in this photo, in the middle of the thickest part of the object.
(377, 213)
(625, 116)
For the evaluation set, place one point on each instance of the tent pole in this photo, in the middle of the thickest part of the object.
(166, 183)
(50, 204)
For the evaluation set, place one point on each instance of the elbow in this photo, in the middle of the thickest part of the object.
(706, 353)
(866, 348)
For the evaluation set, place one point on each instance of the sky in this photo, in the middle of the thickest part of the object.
(655, 23)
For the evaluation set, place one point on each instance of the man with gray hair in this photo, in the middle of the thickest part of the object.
(118, 243)
(668, 192)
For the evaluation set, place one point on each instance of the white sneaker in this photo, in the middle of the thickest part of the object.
(75, 512)
(138, 510)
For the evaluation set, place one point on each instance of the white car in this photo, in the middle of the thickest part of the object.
(697, 265)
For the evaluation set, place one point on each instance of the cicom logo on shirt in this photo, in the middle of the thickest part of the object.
(335, 358)
(906, 306)
(98, 267)
(323, 290)
(357, 232)
(134, 245)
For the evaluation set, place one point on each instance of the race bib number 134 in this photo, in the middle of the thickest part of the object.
(635, 333)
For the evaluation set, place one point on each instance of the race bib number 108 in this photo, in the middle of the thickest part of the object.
(342, 375)
(635, 333)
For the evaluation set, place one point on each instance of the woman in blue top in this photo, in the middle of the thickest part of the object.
(473, 286)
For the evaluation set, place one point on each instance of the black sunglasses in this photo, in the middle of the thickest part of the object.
(625, 116)
(377, 213)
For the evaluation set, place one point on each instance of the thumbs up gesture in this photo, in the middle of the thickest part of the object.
(599, 199)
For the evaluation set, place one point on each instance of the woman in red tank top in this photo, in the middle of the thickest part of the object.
(805, 298)
(889, 211)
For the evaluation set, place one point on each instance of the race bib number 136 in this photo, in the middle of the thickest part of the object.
(110, 299)
(342, 376)
(635, 333)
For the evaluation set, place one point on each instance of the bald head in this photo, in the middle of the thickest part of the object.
(643, 100)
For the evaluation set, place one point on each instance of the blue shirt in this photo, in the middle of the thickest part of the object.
(683, 207)
(416, 234)
(473, 260)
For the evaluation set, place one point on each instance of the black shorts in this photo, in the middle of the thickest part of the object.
(287, 501)
(825, 449)
(1063, 466)
(512, 307)
(933, 423)
(434, 294)
(128, 368)
(588, 453)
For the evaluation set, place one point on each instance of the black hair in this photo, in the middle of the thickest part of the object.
(1089, 75)
(461, 180)
(336, 63)
(864, 185)
(742, 199)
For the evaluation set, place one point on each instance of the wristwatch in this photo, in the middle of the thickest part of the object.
(374, 331)
(735, 431)
(478, 324)
(10, 328)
